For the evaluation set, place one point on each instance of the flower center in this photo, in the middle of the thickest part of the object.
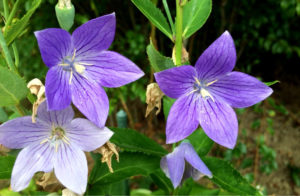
(201, 88)
(56, 138)
(70, 64)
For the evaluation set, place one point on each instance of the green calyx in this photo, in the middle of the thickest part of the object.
(65, 16)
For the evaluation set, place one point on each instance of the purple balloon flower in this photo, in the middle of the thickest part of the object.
(183, 163)
(80, 66)
(205, 94)
(56, 142)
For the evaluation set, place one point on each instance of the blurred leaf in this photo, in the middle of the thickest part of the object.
(201, 142)
(158, 61)
(195, 14)
(162, 181)
(228, 178)
(7, 192)
(168, 102)
(17, 28)
(118, 188)
(200, 190)
(131, 140)
(131, 164)
(271, 83)
(3, 115)
(7, 163)
(140, 192)
(12, 88)
(154, 15)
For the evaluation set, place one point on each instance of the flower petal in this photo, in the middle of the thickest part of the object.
(57, 88)
(164, 166)
(21, 132)
(176, 165)
(176, 81)
(193, 158)
(90, 99)
(59, 117)
(33, 158)
(87, 135)
(111, 69)
(219, 122)
(95, 35)
(240, 90)
(54, 44)
(70, 167)
(218, 59)
(183, 118)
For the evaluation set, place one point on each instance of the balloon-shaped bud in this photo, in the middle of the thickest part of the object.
(65, 13)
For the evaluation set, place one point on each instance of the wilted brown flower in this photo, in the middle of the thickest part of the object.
(107, 151)
(37, 88)
(153, 98)
(49, 182)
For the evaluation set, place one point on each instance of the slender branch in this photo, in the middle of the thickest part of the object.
(178, 33)
(13, 12)
(16, 54)
(6, 11)
(6, 53)
(20, 110)
(169, 15)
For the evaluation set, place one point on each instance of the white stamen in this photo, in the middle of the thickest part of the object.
(71, 76)
(44, 141)
(74, 54)
(82, 63)
(79, 68)
(197, 81)
(210, 83)
(204, 93)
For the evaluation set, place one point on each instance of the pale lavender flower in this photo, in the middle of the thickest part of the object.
(205, 94)
(80, 66)
(56, 142)
(183, 163)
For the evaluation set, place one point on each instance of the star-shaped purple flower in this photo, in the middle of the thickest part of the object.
(56, 142)
(183, 163)
(205, 94)
(80, 66)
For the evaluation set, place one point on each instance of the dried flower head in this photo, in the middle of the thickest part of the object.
(153, 98)
(37, 88)
(107, 151)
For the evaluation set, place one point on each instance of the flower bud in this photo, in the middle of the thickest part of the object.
(65, 13)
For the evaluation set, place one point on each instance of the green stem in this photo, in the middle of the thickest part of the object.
(169, 16)
(16, 54)
(178, 41)
(13, 12)
(6, 53)
(6, 11)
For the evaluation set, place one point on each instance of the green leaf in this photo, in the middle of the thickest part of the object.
(131, 164)
(131, 140)
(17, 28)
(271, 83)
(12, 88)
(3, 115)
(154, 15)
(7, 163)
(195, 14)
(162, 181)
(168, 102)
(200, 190)
(158, 61)
(201, 142)
(228, 178)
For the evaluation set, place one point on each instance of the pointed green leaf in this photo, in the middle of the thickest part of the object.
(158, 61)
(162, 181)
(271, 83)
(131, 140)
(7, 163)
(130, 164)
(154, 15)
(12, 88)
(195, 14)
(201, 142)
(13, 31)
(228, 178)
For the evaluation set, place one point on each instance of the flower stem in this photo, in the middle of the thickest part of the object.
(5, 6)
(169, 16)
(178, 33)
(12, 14)
(6, 53)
